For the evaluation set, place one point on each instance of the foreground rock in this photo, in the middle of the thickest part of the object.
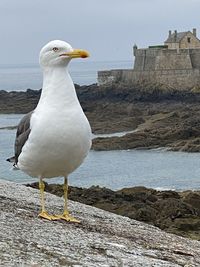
(102, 238)
(174, 212)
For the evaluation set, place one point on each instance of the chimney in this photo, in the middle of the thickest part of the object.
(170, 34)
(134, 49)
(194, 30)
(175, 35)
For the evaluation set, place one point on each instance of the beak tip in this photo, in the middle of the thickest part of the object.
(85, 54)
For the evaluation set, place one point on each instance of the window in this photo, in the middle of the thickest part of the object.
(188, 39)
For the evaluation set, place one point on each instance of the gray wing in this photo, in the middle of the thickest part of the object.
(23, 131)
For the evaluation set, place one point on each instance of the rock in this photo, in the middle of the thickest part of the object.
(160, 118)
(168, 194)
(18, 102)
(174, 212)
(136, 193)
(101, 239)
(193, 198)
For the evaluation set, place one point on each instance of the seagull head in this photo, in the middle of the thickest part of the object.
(59, 53)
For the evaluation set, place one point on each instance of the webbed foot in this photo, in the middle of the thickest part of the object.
(67, 217)
(45, 215)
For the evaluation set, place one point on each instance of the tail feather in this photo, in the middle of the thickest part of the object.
(15, 167)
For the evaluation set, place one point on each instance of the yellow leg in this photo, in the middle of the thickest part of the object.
(66, 216)
(44, 214)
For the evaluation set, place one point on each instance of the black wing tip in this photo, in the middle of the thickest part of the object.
(12, 159)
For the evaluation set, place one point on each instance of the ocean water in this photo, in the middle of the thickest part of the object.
(83, 72)
(158, 169)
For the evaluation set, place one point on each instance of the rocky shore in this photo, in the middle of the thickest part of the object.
(174, 212)
(101, 239)
(160, 117)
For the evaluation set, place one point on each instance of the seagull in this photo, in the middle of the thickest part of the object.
(54, 138)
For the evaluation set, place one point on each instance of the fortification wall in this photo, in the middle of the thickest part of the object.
(145, 59)
(178, 69)
(195, 58)
(177, 79)
(166, 59)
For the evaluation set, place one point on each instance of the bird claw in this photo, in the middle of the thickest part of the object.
(47, 216)
(67, 217)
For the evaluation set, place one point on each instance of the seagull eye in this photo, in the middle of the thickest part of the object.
(55, 49)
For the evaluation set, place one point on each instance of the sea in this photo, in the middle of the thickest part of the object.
(20, 77)
(158, 168)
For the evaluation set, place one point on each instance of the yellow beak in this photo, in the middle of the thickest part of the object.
(77, 53)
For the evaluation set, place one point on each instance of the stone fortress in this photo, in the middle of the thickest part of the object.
(176, 64)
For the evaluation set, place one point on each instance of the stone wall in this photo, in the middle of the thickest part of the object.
(174, 68)
(194, 42)
(145, 59)
(166, 59)
(177, 79)
(173, 61)
(195, 58)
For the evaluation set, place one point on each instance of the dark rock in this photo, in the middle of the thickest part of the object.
(175, 212)
(138, 193)
(146, 214)
(163, 118)
(168, 194)
(193, 199)
(18, 102)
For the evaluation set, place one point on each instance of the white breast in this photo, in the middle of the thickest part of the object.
(57, 144)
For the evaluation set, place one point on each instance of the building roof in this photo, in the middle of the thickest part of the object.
(179, 36)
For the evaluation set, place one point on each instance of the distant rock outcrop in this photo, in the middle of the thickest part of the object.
(101, 239)
(18, 102)
(161, 118)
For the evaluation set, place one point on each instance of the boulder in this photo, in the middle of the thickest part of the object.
(101, 239)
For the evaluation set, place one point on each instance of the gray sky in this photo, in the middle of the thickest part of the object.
(106, 28)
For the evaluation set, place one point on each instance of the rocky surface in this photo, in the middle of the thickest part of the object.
(174, 212)
(161, 118)
(18, 102)
(101, 239)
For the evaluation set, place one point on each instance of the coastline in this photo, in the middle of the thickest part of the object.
(152, 118)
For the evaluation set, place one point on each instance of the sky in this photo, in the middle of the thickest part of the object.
(108, 29)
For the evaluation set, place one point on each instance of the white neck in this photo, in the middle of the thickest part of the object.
(58, 88)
